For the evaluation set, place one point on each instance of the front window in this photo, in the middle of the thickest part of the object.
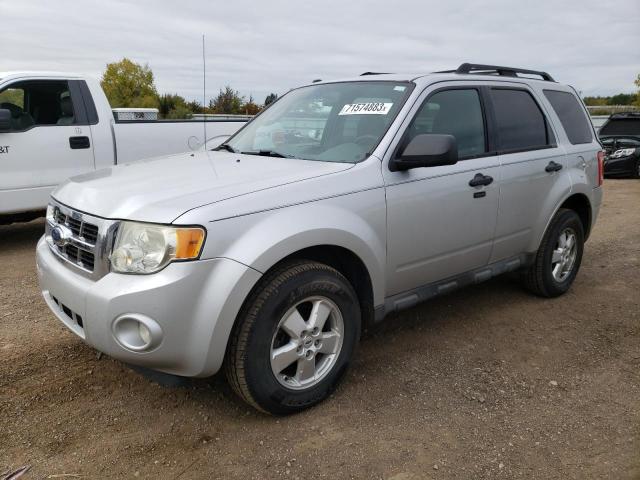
(38, 102)
(334, 122)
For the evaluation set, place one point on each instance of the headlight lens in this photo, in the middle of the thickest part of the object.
(623, 152)
(147, 248)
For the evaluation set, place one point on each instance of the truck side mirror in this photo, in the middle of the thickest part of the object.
(5, 120)
(426, 150)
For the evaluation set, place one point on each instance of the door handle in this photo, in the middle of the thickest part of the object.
(79, 142)
(480, 180)
(553, 167)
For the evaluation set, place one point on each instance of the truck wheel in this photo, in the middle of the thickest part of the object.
(294, 339)
(558, 259)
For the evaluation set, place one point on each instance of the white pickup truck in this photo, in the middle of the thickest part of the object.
(55, 125)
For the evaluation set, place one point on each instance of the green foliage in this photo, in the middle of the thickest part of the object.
(228, 101)
(129, 84)
(272, 97)
(195, 107)
(14, 96)
(173, 106)
(250, 107)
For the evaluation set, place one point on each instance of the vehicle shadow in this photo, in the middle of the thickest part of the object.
(21, 235)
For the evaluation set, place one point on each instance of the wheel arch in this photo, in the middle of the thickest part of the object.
(579, 203)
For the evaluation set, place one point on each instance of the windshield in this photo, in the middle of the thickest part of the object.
(334, 122)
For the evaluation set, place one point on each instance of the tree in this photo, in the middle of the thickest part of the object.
(251, 107)
(129, 84)
(228, 101)
(637, 82)
(272, 97)
(173, 106)
(195, 106)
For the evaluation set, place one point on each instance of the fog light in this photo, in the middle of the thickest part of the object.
(137, 332)
(144, 332)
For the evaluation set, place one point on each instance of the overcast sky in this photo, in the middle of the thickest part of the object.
(259, 47)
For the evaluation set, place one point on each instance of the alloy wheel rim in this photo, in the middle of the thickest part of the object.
(307, 343)
(564, 255)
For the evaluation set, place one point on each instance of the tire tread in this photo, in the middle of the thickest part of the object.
(234, 364)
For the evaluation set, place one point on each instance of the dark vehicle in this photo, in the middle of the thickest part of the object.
(620, 137)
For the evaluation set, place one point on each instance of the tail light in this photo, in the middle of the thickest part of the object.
(600, 168)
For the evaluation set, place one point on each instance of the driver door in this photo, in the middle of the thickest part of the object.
(48, 141)
(438, 226)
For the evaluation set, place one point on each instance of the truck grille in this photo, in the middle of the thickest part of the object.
(85, 241)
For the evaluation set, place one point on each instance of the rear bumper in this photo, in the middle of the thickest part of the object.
(192, 306)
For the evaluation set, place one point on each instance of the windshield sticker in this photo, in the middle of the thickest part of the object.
(370, 108)
(399, 88)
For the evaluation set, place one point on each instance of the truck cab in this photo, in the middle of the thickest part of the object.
(57, 125)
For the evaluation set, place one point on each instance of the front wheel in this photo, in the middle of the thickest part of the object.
(558, 259)
(294, 339)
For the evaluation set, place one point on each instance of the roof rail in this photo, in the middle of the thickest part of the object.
(373, 73)
(494, 69)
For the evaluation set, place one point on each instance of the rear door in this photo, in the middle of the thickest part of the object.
(438, 225)
(532, 163)
(49, 139)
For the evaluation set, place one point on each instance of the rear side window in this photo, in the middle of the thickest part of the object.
(521, 124)
(455, 112)
(571, 115)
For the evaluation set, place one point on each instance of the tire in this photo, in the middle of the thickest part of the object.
(636, 170)
(267, 326)
(548, 276)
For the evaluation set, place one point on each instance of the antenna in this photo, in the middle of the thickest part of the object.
(204, 94)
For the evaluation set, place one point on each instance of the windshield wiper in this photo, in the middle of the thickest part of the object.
(225, 146)
(267, 153)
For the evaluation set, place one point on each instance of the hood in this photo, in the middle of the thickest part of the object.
(162, 189)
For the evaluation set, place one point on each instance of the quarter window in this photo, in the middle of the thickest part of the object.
(455, 112)
(520, 122)
(571, 115)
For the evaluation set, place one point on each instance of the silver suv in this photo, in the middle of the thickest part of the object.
(342, 202)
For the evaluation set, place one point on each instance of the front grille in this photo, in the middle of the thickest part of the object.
(86, 239)
(80, 248)
(83, 230)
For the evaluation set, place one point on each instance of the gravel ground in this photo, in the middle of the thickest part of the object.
(488, 382)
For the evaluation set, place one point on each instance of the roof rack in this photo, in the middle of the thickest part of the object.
(497, 70)
(373, 73)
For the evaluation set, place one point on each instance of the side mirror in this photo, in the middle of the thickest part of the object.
(5, 120)
(427, 150)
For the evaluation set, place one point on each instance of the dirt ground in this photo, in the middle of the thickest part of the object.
(488, 382)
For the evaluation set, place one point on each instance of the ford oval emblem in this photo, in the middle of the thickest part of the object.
(60, 235)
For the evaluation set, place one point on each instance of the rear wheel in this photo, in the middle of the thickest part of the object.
(558, 259)
(294, 339)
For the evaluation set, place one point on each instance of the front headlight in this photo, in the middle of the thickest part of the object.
(623, 152)
(147, 248)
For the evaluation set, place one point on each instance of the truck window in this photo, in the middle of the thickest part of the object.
(37, 103)
(456, 112)
(521, 124)
(571, 115)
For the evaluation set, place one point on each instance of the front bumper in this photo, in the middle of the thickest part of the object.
(194, 304)
(619, 166)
